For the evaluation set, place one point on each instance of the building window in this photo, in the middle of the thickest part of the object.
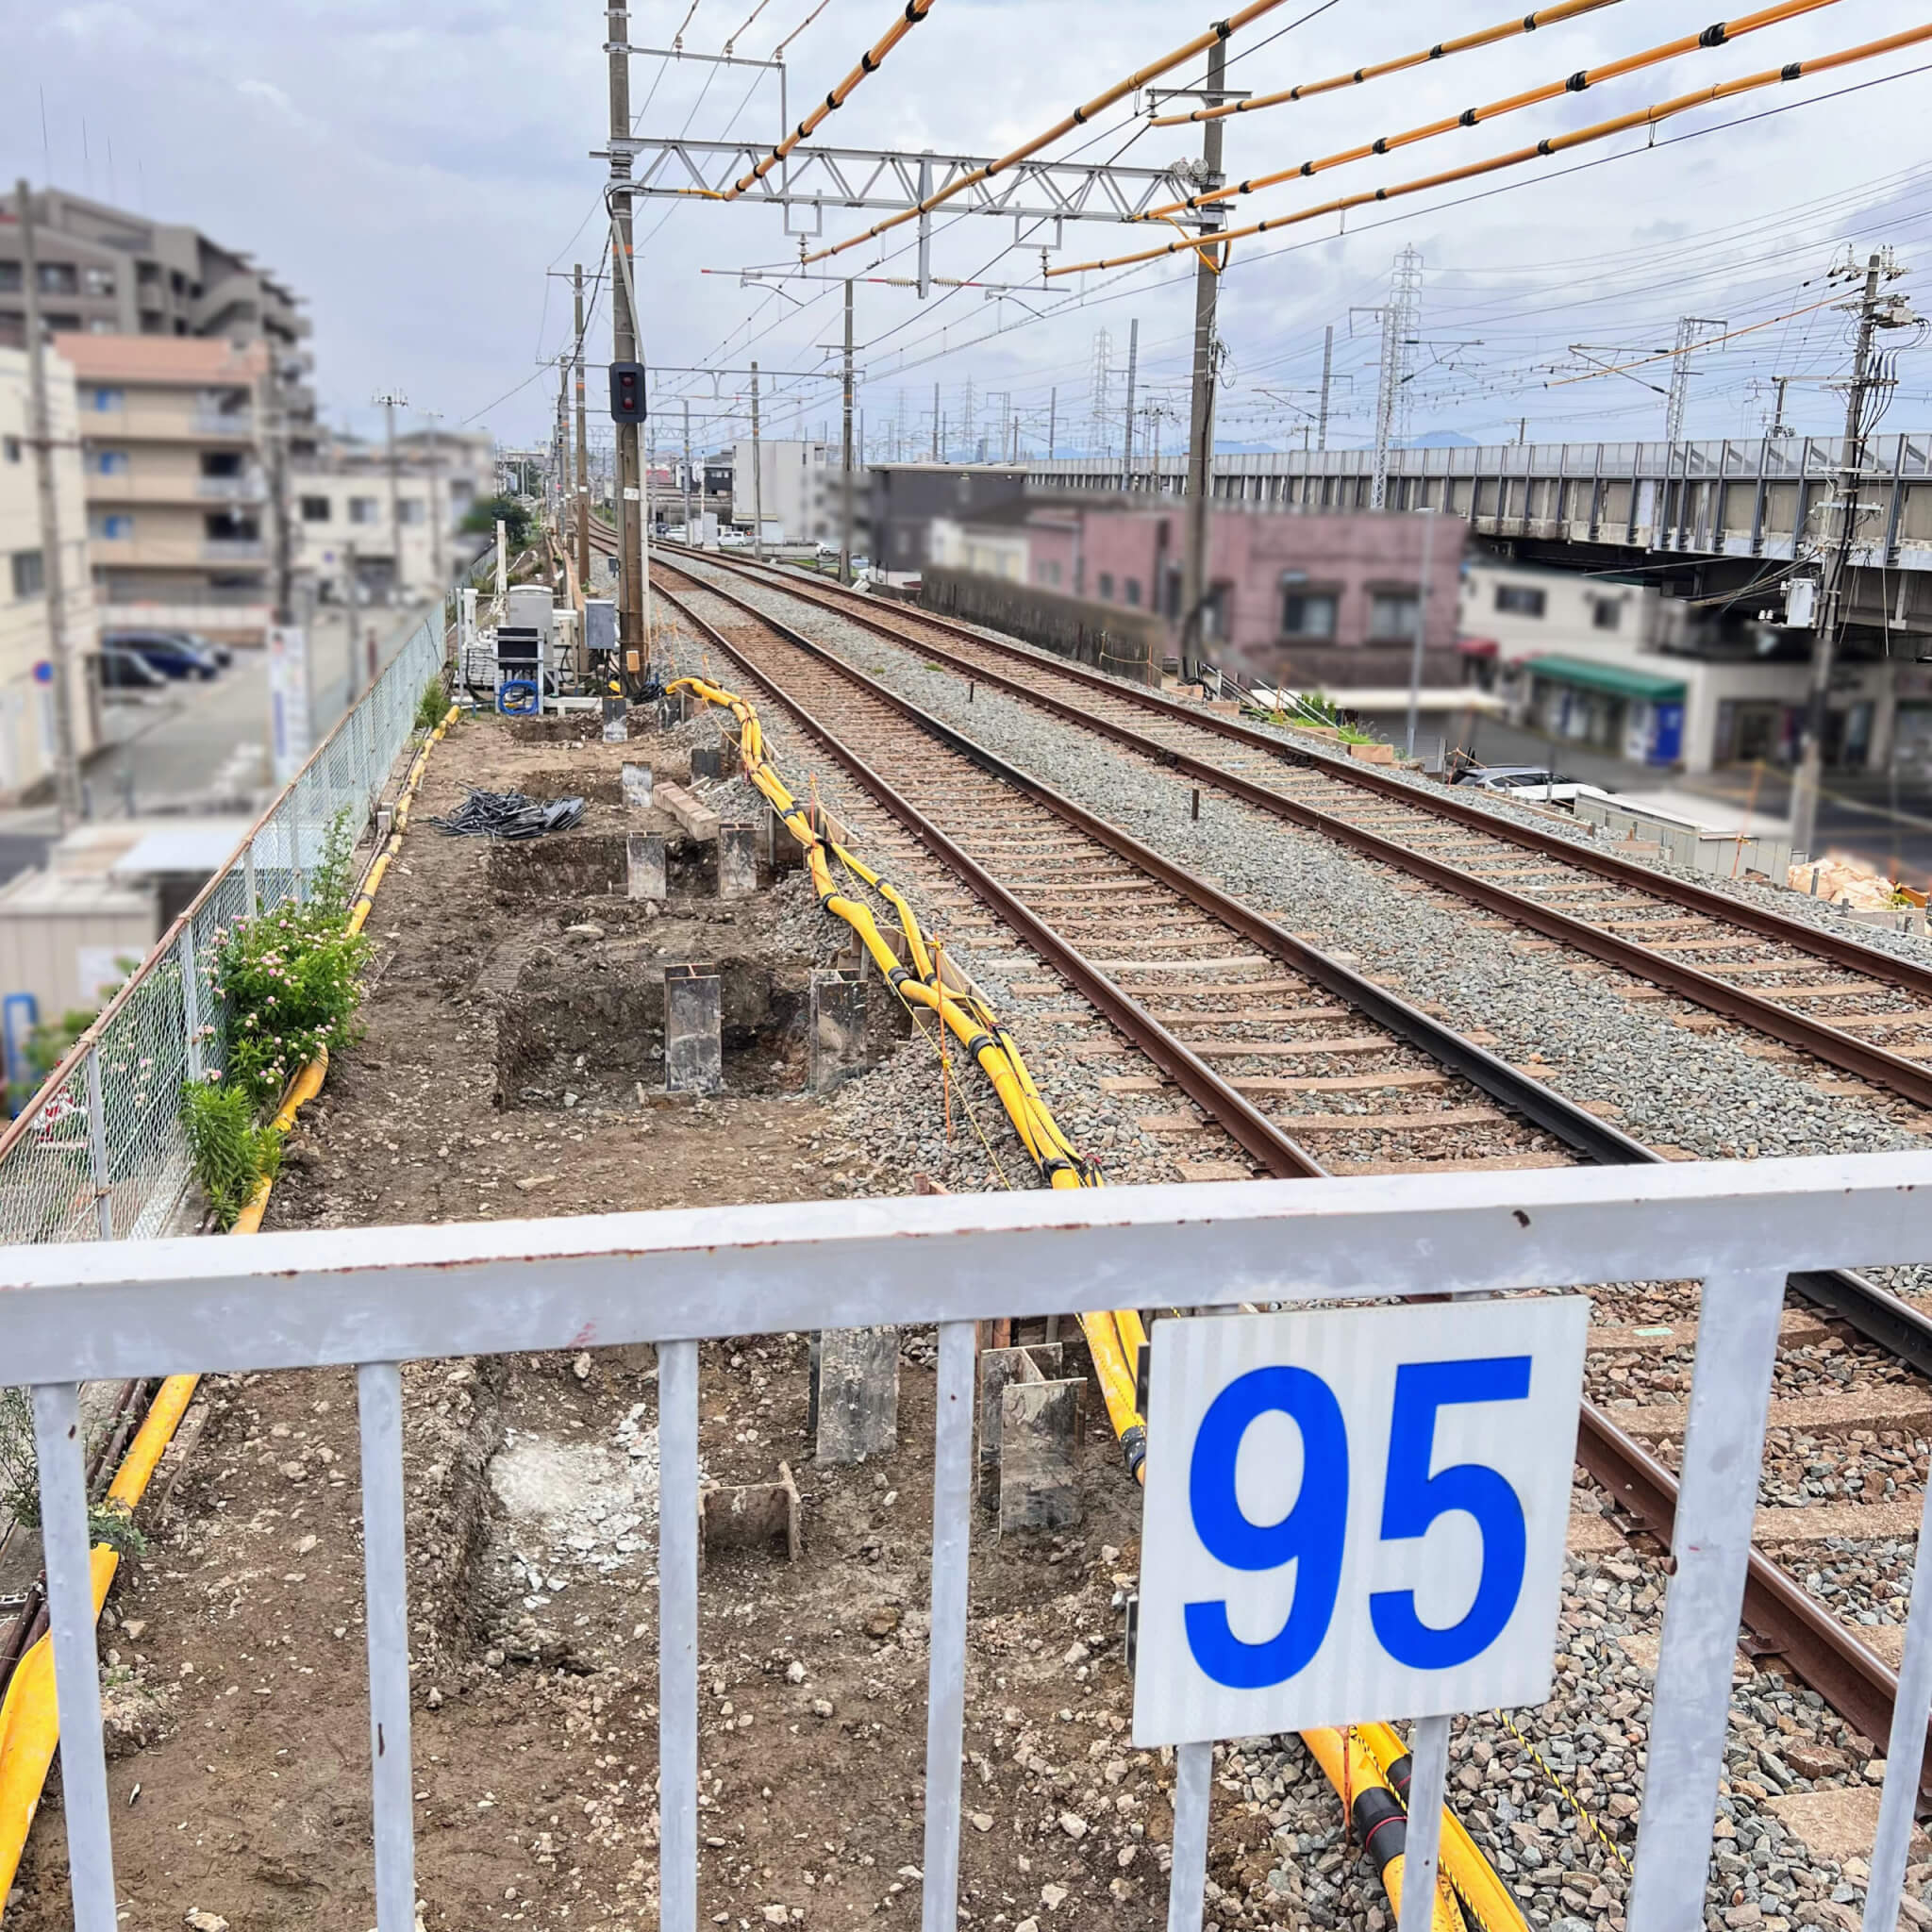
(107, 462)
(410, 509)
(106, 400)
(1106, 582)
(1133, 589)
(1609, 615)
(1521, 600)
(1306, 613)
(30, 574)
(58, 278)
(98, 281)
(362, 510)
(315, 509)
(112, 527)
(9, 278)
(9, 448)
(1392, 615)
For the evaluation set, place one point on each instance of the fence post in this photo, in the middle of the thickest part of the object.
(97, 1145)
(249, 878)
(190, 999)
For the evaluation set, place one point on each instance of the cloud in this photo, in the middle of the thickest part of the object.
(256, 90)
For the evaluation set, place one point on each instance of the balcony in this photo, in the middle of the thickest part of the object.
(233, 550)
(250, 487)
(236, 423)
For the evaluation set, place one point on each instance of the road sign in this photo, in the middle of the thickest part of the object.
(1353, 1514)
(44, 671)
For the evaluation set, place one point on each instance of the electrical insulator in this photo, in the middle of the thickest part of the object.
(628, 393)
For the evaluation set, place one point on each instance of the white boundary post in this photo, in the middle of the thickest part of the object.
(677, 1636)
(1428, 1772)
(1194, 1793)
(379, 1411)
(945, 1704)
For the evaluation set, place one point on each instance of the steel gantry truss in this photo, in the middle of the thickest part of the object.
(820, 178)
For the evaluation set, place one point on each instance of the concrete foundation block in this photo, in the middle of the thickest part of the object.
(737, 861)
(638, 781)
(643, 863)
(752, 1516)
(693, 1039)
(853, 1407)
(699, 822)
(616, 721)
(837, 1030)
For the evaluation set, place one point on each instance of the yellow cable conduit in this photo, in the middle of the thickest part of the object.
(1718, 36)
(30, 1720)
(1099, 104)
(1113, 1339)
(1554, 145)
(1489, 36)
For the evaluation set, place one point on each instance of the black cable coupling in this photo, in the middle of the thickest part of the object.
(1079, 117)
(1294, 93)
(1713, 35)
(1358, 77)
(1222, 29)
(866, 61)
(1308, 167)
(1436, 52)
(914, 16)
(1381, 194)
(1791, 70)
(980, 1043)
(1380, 145)
(832, 100)
(1467, 118)
(1542, 147)
(897, 976)
(1134, 1447)
(1530, 22)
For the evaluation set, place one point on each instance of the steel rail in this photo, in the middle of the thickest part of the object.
(1907, 1078)
(1819, 1648)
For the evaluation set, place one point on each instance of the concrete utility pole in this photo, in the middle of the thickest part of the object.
(935, 422)
(757, 473)
(632, 636)
(1834, 596)
(688, 537)
(1422, 628)
(560, 447)
(59, 648)
(391, 400)
(1128, 435)
(583, 479)
(1327, 376)
(437, 517)
(1201, 416)
(845, 448)
(1053, 415)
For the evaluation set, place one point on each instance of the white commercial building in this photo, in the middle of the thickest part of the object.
(27, 651)
(344, 530)
(1616, 665)
(793, 490)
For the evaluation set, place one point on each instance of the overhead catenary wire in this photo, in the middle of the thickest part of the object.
(778, 51)
(1552, 144)
(869, 62)
(1099, 104)
(1485, 36)
(1717, 36)
(1689, 348)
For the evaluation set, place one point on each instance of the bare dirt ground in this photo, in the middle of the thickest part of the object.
(513, 1066)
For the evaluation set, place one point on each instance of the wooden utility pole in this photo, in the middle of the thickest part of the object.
(583, 472)
(1201, 416)
(845, 451)
(629, 502)
(59, 648)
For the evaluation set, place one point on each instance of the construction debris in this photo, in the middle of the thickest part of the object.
(509, 815)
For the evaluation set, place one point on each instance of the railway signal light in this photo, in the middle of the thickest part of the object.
(628, 393)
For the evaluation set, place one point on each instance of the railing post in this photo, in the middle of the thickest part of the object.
(66, 1546)
(677, 1636)
(190, 999)
(945, 1703)
(1905, 1751)
(379, 1413)
(97, 1145)
(1711, 1543)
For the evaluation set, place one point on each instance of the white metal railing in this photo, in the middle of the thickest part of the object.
(378, 1297)
(98, 1153)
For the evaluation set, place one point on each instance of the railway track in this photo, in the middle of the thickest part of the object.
(1846, 1004)
(1231, 1009)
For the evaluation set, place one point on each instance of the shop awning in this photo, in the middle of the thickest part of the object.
(1613, 678)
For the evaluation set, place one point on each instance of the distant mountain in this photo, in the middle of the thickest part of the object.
(1441, 439)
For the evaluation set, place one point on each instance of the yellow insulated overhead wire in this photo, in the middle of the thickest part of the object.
(1099, 104)
(1717, 36)
(869, 61)
(1553, 144)
(1487, 37)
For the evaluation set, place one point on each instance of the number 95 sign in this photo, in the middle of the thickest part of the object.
(1355, 1514)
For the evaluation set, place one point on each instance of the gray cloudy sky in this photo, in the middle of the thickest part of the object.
(414, 172)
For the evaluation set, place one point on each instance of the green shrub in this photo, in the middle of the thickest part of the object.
(112, 1523)
(232, 1154)
(432, 705)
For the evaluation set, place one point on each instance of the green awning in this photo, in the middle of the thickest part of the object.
(1613, 678)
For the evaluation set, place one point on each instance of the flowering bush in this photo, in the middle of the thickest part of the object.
(292, 982)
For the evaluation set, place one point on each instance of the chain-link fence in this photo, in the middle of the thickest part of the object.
(99, 1153)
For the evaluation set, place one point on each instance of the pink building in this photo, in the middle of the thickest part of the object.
(1321, 599)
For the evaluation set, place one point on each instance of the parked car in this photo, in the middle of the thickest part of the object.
(1532, 784)
(128, 671)
(174, 653)
(732, 540)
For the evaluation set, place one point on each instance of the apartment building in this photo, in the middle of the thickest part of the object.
(102, 271)
(791, 486)
(26, 648)
(176, 490)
